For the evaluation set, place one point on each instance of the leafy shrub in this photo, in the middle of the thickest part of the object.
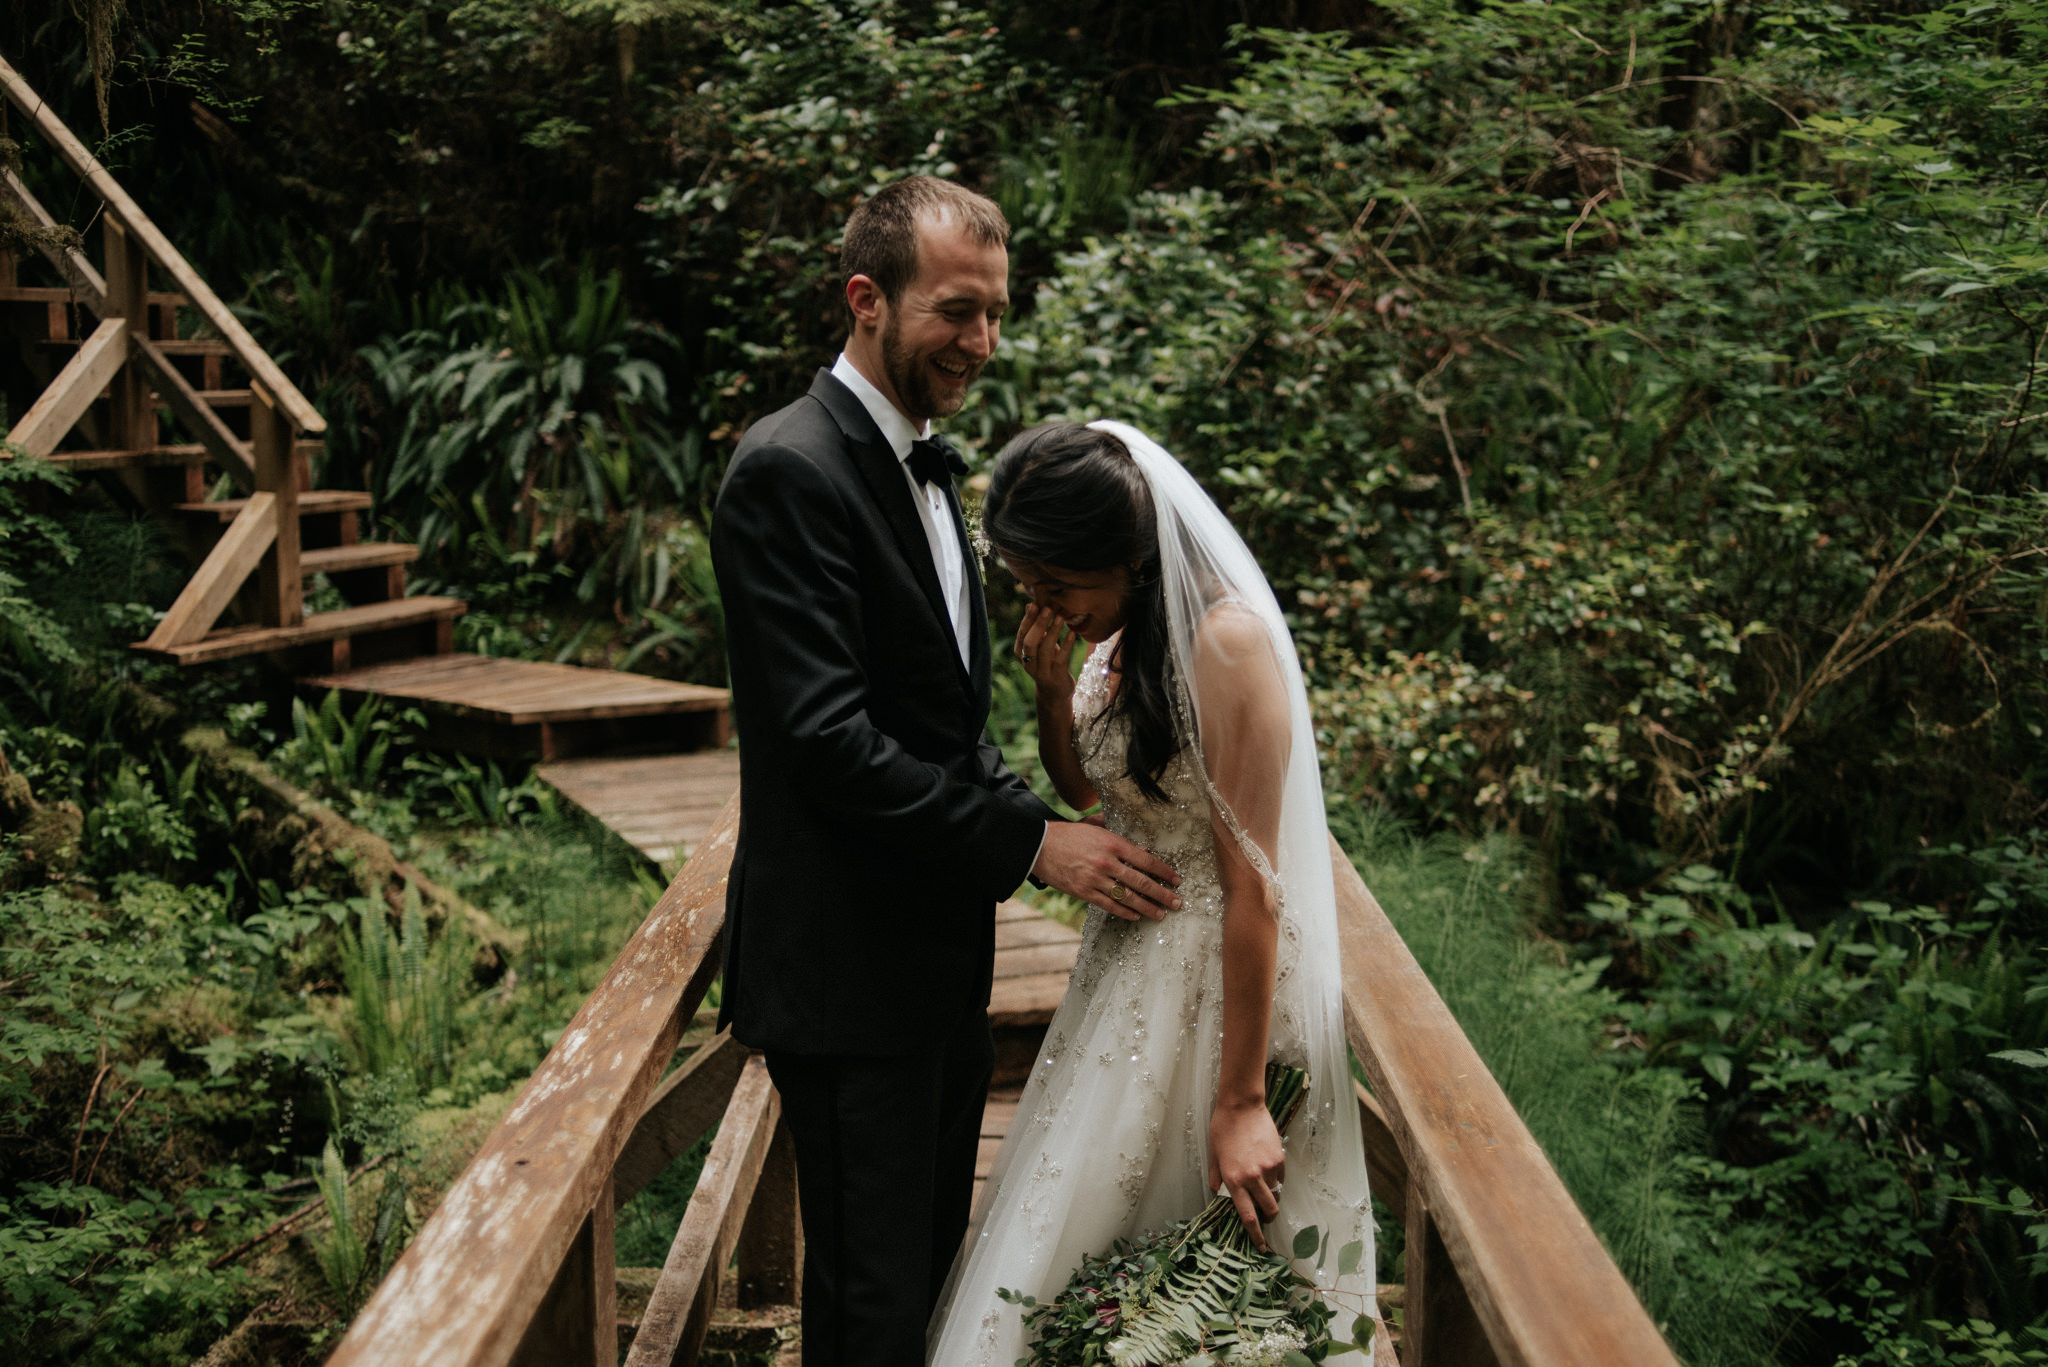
(550, 412)
(1471, 385)
(343, 1258)
(460, 790)
(148, 1049)
(30, 540)
(545, 408)
(1858, 1098)
(135, 828)
(342, 754)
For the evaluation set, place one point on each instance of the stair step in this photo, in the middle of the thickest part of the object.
(226, 398)
(230, 642)
(169, 346)
(190, 454)
(63, 294)
(310, 501)
(363, 555)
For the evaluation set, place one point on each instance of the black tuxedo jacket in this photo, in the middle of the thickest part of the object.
(878, 824)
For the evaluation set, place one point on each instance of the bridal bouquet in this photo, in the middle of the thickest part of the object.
(1198, 1293)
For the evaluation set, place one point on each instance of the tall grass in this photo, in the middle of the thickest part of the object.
(1624, 1142)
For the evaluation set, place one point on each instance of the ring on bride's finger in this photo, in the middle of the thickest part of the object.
(1119, 891)
(1025, 658)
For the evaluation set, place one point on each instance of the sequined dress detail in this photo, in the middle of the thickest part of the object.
(1111, 1135)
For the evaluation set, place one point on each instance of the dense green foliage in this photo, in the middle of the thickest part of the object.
(205, 1022)
(1633, 403)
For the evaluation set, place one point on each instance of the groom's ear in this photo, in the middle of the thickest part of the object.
(865, 301)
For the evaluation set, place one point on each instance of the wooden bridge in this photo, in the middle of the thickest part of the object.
(515, 1266)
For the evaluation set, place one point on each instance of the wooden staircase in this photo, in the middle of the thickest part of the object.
(106, 352)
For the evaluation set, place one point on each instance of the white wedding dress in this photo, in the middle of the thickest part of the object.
(1111, 1136)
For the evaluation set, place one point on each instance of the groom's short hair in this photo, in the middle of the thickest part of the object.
(881, 234)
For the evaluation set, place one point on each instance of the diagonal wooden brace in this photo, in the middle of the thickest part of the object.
(195, 414)
(679, 1310)
(687, 1103)
(71, 262)
(220, 576)
(81, 380)
(128, 216)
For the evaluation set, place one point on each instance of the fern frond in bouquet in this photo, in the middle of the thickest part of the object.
(1198, 1293)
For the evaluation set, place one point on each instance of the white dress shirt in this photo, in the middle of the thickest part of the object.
(932, 509)
(948, 556)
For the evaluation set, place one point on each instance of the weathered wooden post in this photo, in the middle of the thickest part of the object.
(1439, 1327)
(281, 591)
(133, 420)
(577, 1321)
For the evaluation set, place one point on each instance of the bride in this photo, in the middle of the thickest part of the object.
(1190, 725)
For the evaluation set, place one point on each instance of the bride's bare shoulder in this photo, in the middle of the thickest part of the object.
(1235, 661)
(1231, 630)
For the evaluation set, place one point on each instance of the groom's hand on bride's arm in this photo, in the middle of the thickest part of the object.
(1084, 860)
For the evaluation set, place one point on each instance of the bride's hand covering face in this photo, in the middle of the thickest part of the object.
(1089, 603)
(1045, 647)
(1067, 606)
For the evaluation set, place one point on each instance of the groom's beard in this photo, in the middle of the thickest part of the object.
(911, 379)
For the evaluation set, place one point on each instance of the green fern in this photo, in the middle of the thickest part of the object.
(1199, 1292)
(343, 1258)
(405, 990)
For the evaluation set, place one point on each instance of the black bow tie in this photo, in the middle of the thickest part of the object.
(933, 459)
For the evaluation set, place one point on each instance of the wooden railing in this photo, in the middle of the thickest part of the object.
(1501, 1264)
(121, 359)
(515, 1266)
(128, 219)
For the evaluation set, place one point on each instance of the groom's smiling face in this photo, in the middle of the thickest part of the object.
(937, 335)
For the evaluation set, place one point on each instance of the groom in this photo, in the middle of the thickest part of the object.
(879, 826)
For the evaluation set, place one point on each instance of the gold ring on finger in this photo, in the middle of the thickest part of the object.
(1118, 891)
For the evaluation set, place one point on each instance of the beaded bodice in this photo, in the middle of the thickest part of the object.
(1176, 830)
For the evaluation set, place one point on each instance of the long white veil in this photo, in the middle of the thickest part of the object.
(1244, 710)
(1110, 1137)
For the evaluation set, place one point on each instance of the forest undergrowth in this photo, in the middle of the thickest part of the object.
(210, 1024)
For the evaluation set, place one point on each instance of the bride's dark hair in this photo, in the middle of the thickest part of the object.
(1067, 496)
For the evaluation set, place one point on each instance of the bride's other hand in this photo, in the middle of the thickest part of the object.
(1246, 1159)
(1045, 647)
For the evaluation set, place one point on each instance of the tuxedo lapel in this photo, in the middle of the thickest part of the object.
(883, 474)
(978, 664)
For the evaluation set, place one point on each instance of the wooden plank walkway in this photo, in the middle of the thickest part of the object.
(664, 806)
(534, 710)
(661, 805)
(1034, 955)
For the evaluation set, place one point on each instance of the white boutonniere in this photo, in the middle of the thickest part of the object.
(972, 490)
